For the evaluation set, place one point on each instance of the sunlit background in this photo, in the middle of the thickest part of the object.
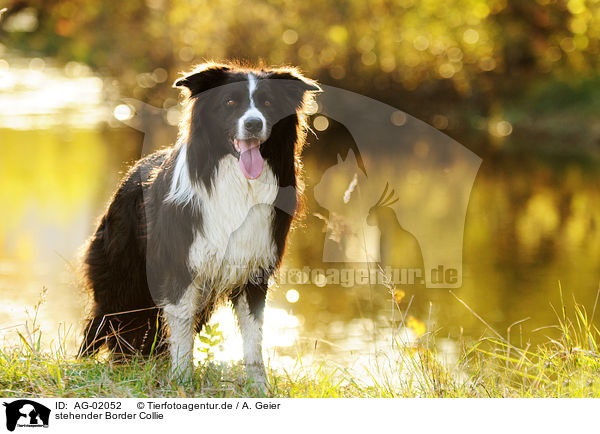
(515, 82)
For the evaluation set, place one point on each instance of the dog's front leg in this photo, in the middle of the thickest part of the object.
(180, 318)
(249, 306)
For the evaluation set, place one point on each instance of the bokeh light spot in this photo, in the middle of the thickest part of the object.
(123, 112)
(471, 36)
(290, 36)
(321, 123)
(398, 118)
(292, 296)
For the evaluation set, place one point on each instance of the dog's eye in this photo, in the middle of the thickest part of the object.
(230, 102)
(267, 103)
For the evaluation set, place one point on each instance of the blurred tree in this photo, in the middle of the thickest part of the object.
(476, 50)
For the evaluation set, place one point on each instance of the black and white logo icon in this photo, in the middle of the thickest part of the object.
(26, 413)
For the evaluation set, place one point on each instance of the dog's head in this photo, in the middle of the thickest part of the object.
(236, 110)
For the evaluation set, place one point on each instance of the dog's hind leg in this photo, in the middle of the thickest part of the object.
(180, 318)
(94, 337)
(137, 332)
(249, 306)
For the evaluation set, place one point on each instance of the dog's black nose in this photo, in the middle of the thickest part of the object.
(253, 125)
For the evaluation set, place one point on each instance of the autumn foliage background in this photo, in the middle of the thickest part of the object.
(457, 64)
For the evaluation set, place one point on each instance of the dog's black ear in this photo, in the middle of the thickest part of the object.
(296, 84)
(303, 83)
(203, 77)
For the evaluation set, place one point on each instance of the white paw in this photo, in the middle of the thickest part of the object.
(181, 373)
(257, 378)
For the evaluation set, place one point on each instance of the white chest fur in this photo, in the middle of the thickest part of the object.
(236, 238)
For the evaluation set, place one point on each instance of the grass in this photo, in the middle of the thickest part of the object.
(566, 366)
(25, 374)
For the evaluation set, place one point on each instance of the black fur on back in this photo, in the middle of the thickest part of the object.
(143, 241)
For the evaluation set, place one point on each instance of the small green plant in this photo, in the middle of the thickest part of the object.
(31, 337)
(210, 337)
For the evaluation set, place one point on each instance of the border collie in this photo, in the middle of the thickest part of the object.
(203, 221)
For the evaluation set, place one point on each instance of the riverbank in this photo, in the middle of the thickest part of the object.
(565, 366)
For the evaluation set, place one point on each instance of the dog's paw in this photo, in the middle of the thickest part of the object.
(181, 374)
(261, 387)
(257, 379)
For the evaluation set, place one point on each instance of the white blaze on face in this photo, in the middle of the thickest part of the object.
(251, 160)
(252, 112)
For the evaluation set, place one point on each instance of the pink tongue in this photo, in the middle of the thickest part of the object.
(251, 162)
